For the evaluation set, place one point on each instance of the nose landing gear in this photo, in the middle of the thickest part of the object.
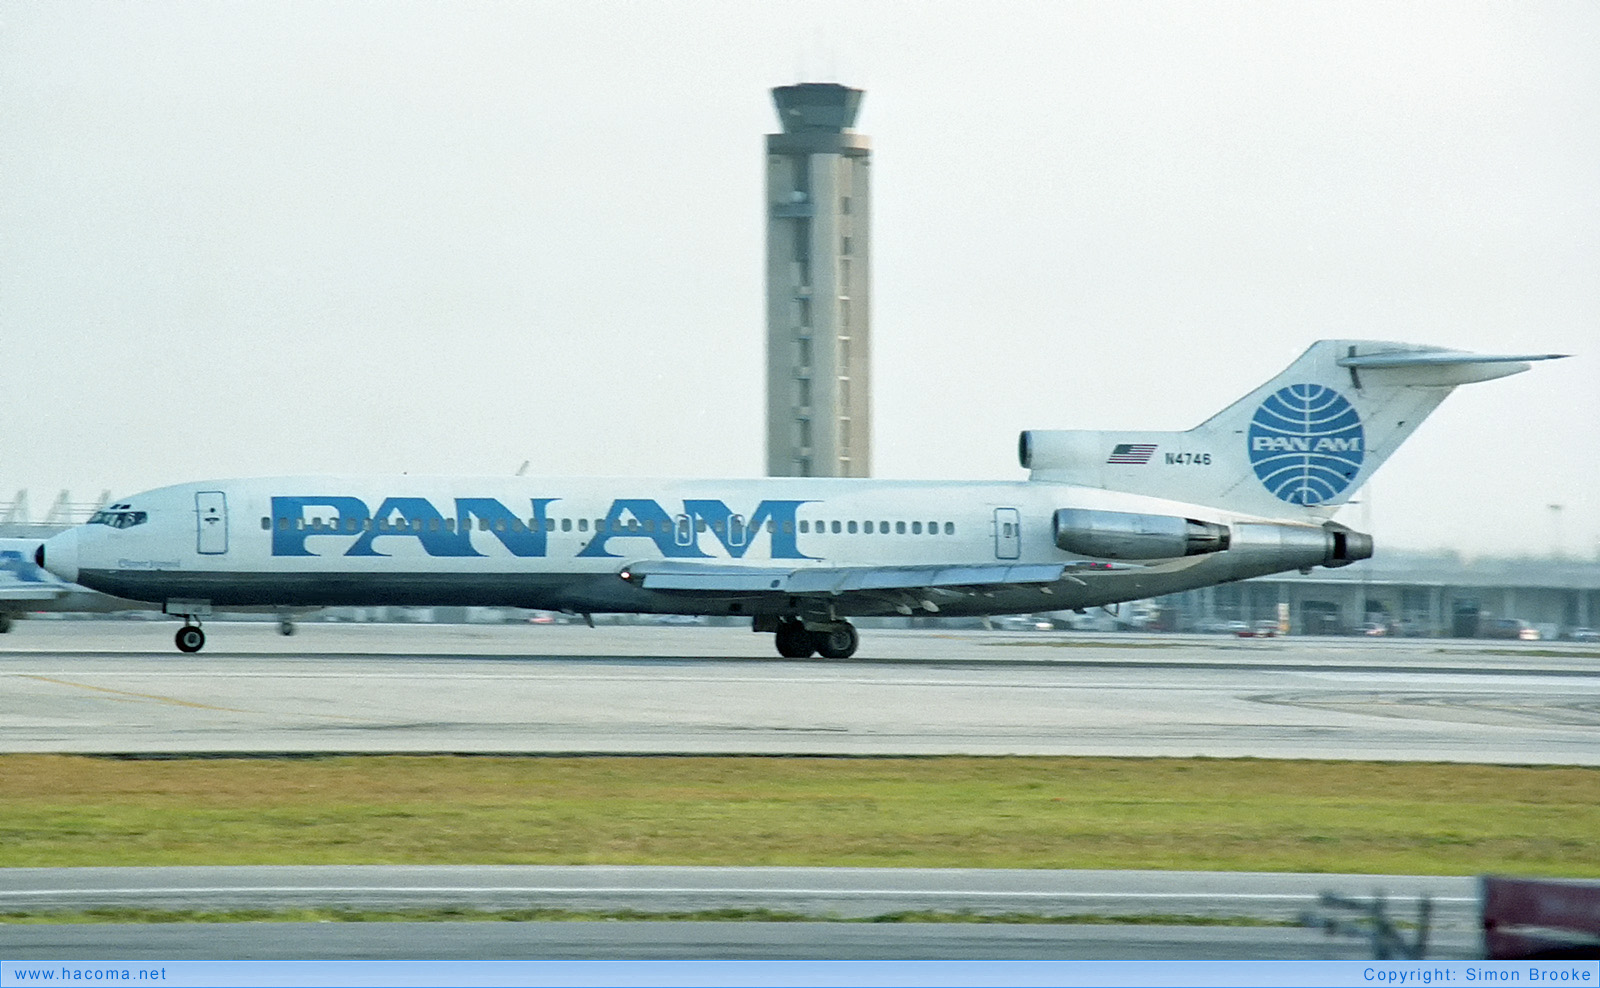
(189, 637)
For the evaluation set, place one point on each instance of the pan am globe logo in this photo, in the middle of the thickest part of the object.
(1306, 444)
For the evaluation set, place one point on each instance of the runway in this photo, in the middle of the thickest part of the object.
(817, 893)
(625, 940)
(119, 687)
(825, 895)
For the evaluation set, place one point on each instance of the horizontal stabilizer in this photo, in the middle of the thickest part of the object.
(1417, 358)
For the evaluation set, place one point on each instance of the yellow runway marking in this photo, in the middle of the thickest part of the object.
(141, 696)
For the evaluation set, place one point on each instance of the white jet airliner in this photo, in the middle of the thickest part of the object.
(1104, 517)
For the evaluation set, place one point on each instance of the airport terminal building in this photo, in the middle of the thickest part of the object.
(1436, 595)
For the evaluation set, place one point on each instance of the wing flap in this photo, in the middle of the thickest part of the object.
(716, 578)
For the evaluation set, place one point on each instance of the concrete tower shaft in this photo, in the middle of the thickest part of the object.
(819, 421)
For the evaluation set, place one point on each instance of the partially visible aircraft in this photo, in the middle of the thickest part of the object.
(1104, 517)
(26, 588)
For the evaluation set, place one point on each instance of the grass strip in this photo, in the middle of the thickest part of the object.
(965, 812)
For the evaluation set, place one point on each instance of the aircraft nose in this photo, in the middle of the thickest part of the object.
(59, 555)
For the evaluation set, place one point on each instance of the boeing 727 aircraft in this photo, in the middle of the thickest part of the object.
(1104, 517)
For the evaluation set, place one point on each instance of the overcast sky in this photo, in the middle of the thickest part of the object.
(278, 237)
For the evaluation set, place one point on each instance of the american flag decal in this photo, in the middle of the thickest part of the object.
(1137, 454)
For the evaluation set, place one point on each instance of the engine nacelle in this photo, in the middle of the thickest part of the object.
(1125, 535)
(1060, 449)
(1301, 546)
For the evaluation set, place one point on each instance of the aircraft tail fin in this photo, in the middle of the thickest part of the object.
(1298, 446)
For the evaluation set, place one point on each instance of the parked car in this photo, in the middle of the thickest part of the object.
(1513, 628)
(1261, 629)
(1022, 622)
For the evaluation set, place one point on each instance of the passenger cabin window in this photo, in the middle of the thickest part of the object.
(949, 528)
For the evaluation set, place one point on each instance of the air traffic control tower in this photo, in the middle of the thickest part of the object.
(819, 411)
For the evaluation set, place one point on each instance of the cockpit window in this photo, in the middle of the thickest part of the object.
(119, 519)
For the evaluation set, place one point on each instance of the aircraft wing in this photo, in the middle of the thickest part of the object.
(13, 593)
(718, 578)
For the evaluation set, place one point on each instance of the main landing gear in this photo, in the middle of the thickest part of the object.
(838, 640)
(189, 637)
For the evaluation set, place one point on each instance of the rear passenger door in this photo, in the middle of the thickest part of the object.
(1007, 533)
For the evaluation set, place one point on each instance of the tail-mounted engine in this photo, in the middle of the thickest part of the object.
(1127, 535)
(1299, 546)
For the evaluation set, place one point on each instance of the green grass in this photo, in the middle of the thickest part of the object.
(1209, 814)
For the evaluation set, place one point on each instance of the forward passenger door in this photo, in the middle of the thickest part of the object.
(211, 522)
